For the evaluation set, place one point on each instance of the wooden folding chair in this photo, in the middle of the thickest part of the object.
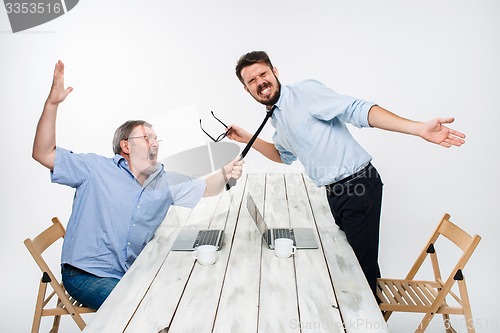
(65, 305)
(429, 297)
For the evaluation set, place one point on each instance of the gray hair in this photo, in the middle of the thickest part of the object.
(123, 132)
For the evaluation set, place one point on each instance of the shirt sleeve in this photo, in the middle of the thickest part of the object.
(71, 169)
(286, 156)
(186, 191)
(326, 104)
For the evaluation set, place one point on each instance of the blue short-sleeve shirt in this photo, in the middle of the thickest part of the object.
(114, 217)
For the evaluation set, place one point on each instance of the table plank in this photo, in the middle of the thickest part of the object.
(316, 297)
(198, 305)
(278, 295)
(358, 307)
(239, 303)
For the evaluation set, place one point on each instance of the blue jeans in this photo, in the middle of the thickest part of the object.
(356, 204)
(88, 289)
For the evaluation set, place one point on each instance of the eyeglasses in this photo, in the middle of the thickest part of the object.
(149, 139)
(220, 137)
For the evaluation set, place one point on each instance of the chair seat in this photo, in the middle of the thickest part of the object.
(411, 296)
(61, 309)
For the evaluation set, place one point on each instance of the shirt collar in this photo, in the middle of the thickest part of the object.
(118, 159)
(122, 162)
(279, 103)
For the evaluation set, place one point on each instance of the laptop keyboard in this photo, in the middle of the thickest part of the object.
(284, 233)
(206, 237)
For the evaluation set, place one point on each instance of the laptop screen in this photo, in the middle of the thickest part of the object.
(256, 216)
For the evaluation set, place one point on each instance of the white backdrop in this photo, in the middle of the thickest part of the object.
(142, 59)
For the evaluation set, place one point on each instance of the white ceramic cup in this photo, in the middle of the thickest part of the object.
(283, 247)
(205, 254)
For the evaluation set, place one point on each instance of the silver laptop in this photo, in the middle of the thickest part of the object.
(190, 239)
(303, 238)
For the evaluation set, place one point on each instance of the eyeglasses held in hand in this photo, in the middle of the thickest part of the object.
(220, 137)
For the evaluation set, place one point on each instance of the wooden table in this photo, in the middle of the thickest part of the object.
(248, 289)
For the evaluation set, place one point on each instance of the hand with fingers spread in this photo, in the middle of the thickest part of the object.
(434, 131)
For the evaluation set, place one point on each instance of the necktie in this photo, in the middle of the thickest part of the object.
(231, 182)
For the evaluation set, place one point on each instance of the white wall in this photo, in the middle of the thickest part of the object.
(140, 59)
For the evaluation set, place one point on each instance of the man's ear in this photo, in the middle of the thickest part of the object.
(124, 146)
(246, 89)
(275, 71)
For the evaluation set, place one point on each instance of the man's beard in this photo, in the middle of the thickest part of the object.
(274, 98)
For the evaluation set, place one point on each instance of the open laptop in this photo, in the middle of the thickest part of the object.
(190, 239)
(303, 238)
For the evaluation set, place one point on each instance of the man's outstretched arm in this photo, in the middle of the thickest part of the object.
(44, 145)
(433, 131)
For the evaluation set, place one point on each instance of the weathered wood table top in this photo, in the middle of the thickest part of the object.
(248, 289)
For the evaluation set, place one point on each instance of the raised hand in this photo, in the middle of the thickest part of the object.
(57, 92)
(44, 145)
(434, 131)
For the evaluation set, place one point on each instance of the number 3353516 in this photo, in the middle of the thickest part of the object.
(32, 7)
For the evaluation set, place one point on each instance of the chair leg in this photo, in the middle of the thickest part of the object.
(57, 318)
(70, 308)
(55, 325)
(79, 321)
(37, 318)
(447, 324)
(469, 321)
(424, 323)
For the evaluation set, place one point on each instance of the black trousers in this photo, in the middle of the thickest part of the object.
(356, 203)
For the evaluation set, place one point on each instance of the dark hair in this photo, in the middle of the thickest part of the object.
(251, 58)
(123, 132)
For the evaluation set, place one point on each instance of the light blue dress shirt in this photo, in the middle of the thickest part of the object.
(309, 119)
(114, 217)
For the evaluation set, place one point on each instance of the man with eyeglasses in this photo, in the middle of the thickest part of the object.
(119, 202)
(309, 119)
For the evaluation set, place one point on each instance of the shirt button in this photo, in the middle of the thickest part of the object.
(133, 225)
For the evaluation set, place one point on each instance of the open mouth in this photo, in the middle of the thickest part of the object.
(152, 156)
(265, 90)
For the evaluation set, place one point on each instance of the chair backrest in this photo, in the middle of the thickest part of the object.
(465, 242)
(41, 242)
